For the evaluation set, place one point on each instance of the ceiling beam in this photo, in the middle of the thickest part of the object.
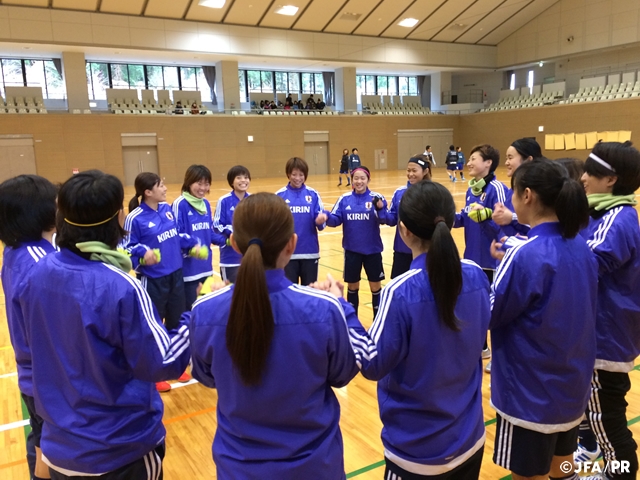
(505, 21)
(186, 10)
(481, 19)
(427, 18)
(143, 11)
(334, 15)
(366, 16)
(301, 14)
(395, 20)
(99, 6)
(224, 17)
(453, 20)
(264, 14)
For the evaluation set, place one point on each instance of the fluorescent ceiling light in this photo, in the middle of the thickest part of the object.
(212, 3)
(408, 22)
(287, 10)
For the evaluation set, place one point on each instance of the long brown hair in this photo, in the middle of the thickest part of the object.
(262, 227)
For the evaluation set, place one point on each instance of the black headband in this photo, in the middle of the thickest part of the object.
(423, 164)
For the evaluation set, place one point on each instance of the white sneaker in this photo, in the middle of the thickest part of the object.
(486, 353)
(583, 455)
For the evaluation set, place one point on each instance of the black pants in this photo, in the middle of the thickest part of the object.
(607, 415)
(304, 270)
(469, 470)
(148, 467)
(167, 294)
(401, 263)
(191, 293)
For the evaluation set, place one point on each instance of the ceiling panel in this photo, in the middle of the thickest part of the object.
(473, 15)
(318, 14)
(362, 7)
(90, 5)
(29, 3)
(517, 21)
(420, 10)
(499, 15)
(440, 19)
(166, 8)
(274, 20)
(131, 7)
(382, 17)
(247, 12)
(206, 14)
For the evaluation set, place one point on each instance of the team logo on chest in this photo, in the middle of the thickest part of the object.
(308, 198)
(169, 215)
(368, 205)
(483, 196)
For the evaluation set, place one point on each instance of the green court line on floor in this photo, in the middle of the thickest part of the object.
(25, 416)
(637, 367)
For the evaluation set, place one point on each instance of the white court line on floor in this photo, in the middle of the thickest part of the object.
(7, 375)
(11, 426)
(193, 381)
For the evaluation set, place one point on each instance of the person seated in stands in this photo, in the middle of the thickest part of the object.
(179, 109)
(261, 103)
(194, 109)
(288, 105)
(300, 105)
(280, 105)
(288, 100)
(320, 105)
(273, 105)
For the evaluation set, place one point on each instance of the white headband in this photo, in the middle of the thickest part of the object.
(593, 156)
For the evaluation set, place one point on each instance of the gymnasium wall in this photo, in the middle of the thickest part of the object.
(502, 128)
(64, 142)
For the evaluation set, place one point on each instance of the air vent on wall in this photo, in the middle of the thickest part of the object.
(350, 16)
(458, 26)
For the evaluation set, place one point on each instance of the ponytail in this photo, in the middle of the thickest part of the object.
(551, 183)
(143, 182)
(262, 228)
(134, 203)
(428, 211)
(572, 208)
(445, 274)
(250, 326)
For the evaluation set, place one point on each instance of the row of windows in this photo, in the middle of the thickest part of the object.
(101, 76)
(32, 73)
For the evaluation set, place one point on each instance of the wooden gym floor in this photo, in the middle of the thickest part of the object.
(190, 415)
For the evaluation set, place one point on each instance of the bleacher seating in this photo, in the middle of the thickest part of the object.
(394, 105)
(22, 100)
(525, 101)
(605, 92)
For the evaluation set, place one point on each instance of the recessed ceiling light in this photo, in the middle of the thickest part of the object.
(541, 64)
(287, 10)
(212, 3)
(408, 22)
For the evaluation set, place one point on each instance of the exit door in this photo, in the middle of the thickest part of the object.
(17, 156)
(317, 156)
(137, 160)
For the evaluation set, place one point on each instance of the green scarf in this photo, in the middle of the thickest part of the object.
(195, 202)
(476, 186)
(100, 252)
(606, 201)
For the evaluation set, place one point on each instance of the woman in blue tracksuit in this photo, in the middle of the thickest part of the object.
(192, 213)
(308, 217)
(543, 326)
(273, 350)
(27, 224)
(520, 151)
(424, 348)
(418, 169)
(612, 175)
(239, 179)
(97, 343)
(361, 212)
(156, 247)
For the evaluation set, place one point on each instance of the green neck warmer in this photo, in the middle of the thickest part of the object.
(100, 252)
(477, 186)
(606, 201)
(195, 202)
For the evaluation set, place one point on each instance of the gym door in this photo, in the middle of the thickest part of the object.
(17, 157)
(137, 160)
(317, 156)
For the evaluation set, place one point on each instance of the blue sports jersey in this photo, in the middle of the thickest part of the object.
(98, 346)
(305, 205)
(543, 331)
(354, 161)
(200, 227)
(478, 236)
(17, 263)
(461, 159)
(223, 224)
(148, 229)
(392, 219)
(614, 238)
(360, 221)
(287, 427)
(429, 377)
